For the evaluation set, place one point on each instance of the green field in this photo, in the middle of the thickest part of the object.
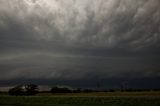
(84, 99)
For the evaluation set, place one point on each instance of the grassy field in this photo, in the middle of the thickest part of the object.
(85, 99)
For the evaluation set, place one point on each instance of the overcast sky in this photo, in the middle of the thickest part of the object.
(79, 40)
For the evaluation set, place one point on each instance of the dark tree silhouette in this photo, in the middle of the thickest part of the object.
(31, 89)
(60, 90)
(16, 91)
(28, 89)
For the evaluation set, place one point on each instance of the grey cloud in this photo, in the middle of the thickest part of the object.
(77, 67)
(108, 37)
(97, 23)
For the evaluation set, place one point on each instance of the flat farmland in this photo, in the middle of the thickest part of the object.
(84, 99)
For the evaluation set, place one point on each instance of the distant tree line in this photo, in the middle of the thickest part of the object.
(60, 90)
(32, 89)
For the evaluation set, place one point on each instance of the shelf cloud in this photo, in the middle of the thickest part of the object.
(78, 39)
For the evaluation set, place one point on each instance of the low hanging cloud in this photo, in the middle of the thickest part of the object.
(78, 39)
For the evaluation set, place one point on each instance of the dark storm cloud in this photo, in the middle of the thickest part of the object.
(78, 39)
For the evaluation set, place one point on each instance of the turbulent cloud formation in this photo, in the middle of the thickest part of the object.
(77, 39)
